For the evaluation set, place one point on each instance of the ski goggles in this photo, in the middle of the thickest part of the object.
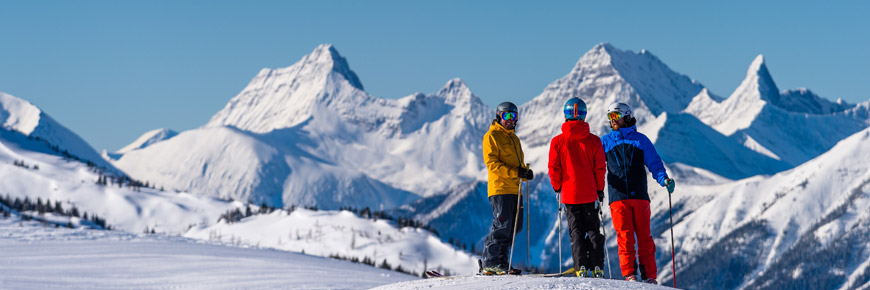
(508, 116)
(613, 116)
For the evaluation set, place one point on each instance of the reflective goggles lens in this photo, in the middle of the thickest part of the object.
(613, 116)
(509, 116)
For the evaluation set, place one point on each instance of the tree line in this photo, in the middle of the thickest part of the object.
(25, 205)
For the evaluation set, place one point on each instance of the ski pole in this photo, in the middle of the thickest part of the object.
(673, 256)
(514, 234)
(601, 215)
(559, 201)
(528, 224)
(528, 228)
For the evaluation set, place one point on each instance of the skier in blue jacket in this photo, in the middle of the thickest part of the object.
(627, 152)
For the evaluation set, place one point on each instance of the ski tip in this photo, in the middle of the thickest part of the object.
(433, 274)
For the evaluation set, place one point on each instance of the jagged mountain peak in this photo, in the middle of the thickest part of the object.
(282, 98)
(605, 75)
(456, 91)
(758, 84)
(327, 54)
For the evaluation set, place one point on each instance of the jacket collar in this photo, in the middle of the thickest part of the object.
(495, 126)
(626, 131)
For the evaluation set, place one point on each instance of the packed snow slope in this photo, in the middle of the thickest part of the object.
(519, 283)
(36, 257)
(309, 135)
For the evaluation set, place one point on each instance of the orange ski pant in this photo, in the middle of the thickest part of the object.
(631, 217)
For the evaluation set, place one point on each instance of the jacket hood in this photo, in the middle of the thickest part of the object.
(578, 129)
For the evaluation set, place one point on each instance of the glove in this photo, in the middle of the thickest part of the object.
(669, 183)
(525, 173)
(601, 196)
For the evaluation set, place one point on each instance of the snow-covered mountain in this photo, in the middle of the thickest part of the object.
(657, 96)
(23, 117)
(32, 171)
(50, 177)
(147, 139)
(805, 228)
(791, 126)
(309, 135)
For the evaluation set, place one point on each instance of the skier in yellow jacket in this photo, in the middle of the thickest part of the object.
(503, 156)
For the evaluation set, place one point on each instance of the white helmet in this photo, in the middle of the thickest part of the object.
(622, 108)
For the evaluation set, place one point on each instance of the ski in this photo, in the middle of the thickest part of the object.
(569, 272)
(436, 274)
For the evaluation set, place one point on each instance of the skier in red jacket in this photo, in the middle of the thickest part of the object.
(577, 168)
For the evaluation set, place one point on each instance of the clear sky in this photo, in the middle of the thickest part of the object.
(112, 70)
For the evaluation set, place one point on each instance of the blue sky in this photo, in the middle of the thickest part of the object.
(111, 70)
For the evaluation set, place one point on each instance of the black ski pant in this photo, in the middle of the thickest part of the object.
(498, 243)
(587, 242)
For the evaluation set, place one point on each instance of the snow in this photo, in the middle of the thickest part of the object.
(298, 132)
(178, 213)
(762, 176)
(806, 200)
(521, 282)
(345, 234)
(37, 257)
(792, 126)
(147, 139)
(21, 116)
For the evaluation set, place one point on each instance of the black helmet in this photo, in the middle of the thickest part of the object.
(505, 107)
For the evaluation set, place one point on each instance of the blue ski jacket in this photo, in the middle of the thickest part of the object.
(627, 151)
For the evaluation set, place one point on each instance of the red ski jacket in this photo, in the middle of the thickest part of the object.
(577, 164)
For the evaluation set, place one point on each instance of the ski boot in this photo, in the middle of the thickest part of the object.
(631, 278)
(494, 270)
(583, 273)
(598, 273)
(651, 281)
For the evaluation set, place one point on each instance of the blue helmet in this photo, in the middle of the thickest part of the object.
(575, 109)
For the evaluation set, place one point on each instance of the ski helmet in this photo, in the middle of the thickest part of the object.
(575, 109)
(618, 111)
(505, 107)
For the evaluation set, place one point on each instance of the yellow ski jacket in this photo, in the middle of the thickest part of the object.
(502, 154)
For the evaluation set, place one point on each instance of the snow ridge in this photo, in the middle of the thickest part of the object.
(23, 117)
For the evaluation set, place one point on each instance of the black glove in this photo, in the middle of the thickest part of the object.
(525, 173)
(600, 196)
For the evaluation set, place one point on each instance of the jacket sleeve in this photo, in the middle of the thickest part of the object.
(653, 161)
(599, 164)
(493, 163)
(555, 166)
